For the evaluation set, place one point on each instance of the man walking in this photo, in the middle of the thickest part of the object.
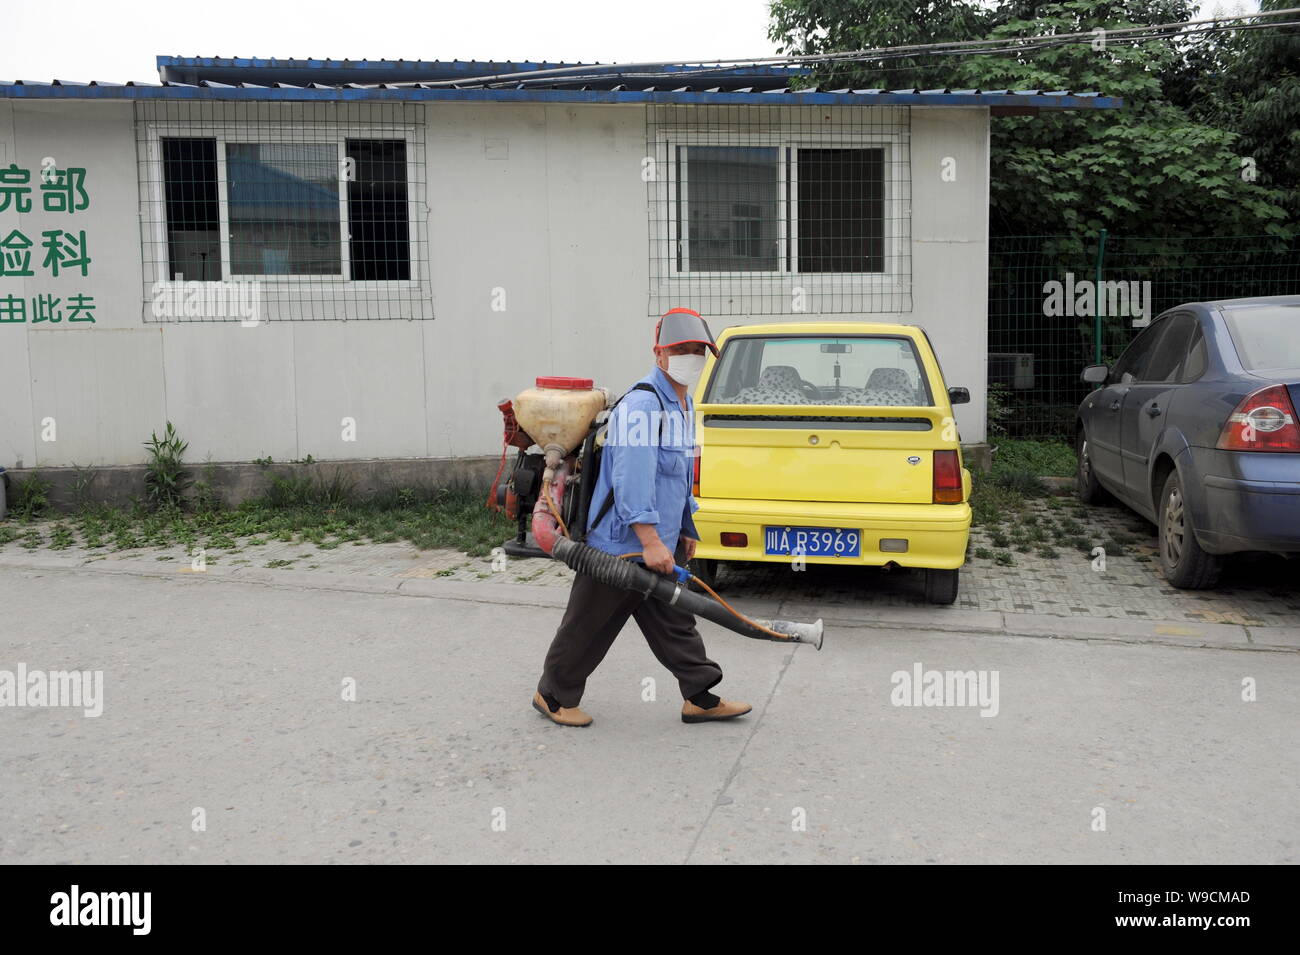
(642, 502)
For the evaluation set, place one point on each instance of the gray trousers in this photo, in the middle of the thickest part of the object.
(593, 619)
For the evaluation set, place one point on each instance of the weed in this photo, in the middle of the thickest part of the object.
(31, 496)
(83, 477)
(165, 477)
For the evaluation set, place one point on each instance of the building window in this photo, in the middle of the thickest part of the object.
(738, 211)
(193, 208)
(377, 211)
(779, 210)
(309, 207)
(291, 209)
(841, 202)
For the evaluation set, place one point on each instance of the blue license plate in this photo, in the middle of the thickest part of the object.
(812, 541)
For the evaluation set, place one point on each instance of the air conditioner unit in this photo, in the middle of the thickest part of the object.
(1011, 368)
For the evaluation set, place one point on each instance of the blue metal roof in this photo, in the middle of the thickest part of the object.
(218, 78)
(232, 70)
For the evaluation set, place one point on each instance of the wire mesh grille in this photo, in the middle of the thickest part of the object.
(774, 210)
(1043, 316)
(283, 211)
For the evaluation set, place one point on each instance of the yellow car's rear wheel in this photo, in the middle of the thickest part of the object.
(706, 570)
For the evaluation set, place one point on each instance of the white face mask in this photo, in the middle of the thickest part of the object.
(685, 369)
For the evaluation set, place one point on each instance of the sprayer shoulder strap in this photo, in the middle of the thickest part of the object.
(609, 498)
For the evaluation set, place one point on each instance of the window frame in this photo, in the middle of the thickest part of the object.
(1152, 333)
(258, 134)
(1198, 338)
(787, 181)
(1171, 322)
(917, 355)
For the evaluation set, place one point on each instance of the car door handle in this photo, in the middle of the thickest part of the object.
(1114, 405)
(1153, 410)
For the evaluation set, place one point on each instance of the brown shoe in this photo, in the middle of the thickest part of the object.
(725, 710)
(565, 715)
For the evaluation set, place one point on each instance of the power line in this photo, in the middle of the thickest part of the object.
(1046, 42)
(958, 47)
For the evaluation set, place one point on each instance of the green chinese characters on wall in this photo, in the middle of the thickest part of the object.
(59, 252)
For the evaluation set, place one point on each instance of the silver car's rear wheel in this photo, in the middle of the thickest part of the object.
(1087, 487)
(1184, 563)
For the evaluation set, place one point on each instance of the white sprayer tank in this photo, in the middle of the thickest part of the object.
(558, 412)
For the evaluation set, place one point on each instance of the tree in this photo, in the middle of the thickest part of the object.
(1150, 168)
(810, 27)
(1258, 95)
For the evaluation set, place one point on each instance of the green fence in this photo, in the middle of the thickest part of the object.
(1050, 296)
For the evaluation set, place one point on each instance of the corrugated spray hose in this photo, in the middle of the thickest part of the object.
(626, 575)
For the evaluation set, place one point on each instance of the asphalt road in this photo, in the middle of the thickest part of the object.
(226, 695)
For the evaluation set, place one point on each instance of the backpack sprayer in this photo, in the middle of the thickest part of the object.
(549, 495)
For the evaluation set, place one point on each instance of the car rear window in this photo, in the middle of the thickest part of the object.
(796, 370)
(1266, 336)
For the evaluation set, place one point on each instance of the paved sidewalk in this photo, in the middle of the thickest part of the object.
(544, 584)
(1255, 593)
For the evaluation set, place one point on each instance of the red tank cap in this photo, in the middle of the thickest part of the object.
(575, 384)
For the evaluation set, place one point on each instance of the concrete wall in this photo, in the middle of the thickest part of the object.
(544, 202)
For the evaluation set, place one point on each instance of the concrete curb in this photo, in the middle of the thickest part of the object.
(1176, 633)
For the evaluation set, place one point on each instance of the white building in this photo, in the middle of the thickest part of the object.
(355, 260)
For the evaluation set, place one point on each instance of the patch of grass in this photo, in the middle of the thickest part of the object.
(982, 552)
(1024, 482)
(324, 514)
(992, 503)
(61, 537)
(1004, 558)
(1041, 458)
(1048, 551)
(279, 563)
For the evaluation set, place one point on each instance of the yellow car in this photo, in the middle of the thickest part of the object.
(830, 443)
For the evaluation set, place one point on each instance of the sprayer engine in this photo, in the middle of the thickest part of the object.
(553, 429)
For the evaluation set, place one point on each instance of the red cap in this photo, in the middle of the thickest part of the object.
(575, 384)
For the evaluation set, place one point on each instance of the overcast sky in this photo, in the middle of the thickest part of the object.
(103, 40)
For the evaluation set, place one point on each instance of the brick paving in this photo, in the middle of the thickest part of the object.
(1255, 591)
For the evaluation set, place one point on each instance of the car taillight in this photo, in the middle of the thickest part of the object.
(1264, 421)
(695, 480)
(947, 478)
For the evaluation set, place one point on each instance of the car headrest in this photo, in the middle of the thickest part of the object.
(890, 379)
(779, 376)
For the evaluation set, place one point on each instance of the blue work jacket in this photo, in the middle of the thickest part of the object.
(648, 460)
